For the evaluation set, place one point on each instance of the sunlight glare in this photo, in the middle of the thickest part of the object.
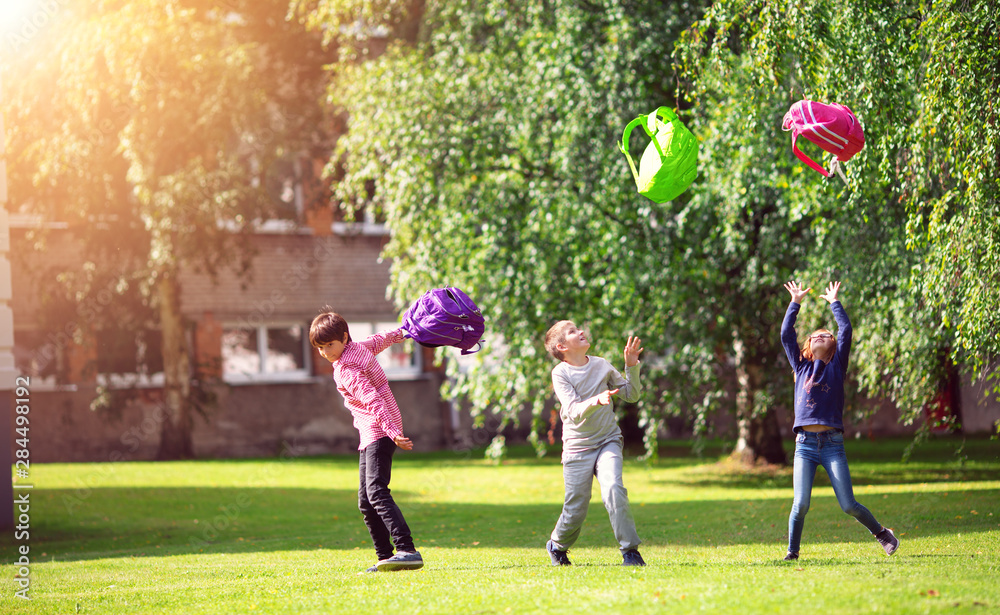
(26, 15)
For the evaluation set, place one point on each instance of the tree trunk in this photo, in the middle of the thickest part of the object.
(175, 430)
(759, 435)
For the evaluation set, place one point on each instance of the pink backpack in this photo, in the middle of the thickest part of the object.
(832, 127)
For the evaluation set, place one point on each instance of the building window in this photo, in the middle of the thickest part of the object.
(284, 349)
(400, 361)
(117, 359)
(41, 356)
(269, 352)
(123, 355)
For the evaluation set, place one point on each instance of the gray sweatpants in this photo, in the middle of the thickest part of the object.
(579, 470)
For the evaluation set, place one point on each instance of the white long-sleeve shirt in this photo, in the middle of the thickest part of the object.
(586, 423)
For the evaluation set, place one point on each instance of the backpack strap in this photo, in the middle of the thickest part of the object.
(652, 128)
(835, 166)
(667, 113)
(623, 146)
(479, 346)
(806, 159)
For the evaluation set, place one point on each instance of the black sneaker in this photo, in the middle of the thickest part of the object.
(368, 570)
(888, 540)
(632, 558)
(401, 561)
(791, 555)
(559, 558)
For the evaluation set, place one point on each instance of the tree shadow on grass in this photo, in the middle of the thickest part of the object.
(861, 474)
(115, 522)
(872, 462)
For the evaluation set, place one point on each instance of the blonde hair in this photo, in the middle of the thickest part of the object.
(557, 335)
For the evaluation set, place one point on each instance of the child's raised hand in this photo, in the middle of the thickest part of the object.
(831, 292)
(605, 398)
(632, 349)
(798, 293)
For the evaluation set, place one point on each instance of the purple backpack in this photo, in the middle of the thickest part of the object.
(445, 317)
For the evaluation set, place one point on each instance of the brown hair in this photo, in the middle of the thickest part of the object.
(328, 327)
(557, 335)
(807, 351)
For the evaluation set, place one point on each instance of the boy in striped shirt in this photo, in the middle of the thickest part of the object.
(362, 382)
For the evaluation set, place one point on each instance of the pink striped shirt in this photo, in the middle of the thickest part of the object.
(362, 382)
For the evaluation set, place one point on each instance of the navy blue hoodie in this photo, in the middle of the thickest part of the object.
(819, 387)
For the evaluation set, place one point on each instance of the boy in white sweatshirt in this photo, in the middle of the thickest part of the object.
(592, 440)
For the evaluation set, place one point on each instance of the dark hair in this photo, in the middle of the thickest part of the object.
(328, 327)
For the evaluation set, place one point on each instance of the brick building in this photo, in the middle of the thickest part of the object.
(272, 392)
(249, 338)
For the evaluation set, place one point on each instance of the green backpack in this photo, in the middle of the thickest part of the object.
(670, 162)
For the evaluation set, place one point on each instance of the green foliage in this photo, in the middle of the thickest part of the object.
(954, 171)
(488, 143)
(150, 130)
(354, 27)
(158, 108)
(914, 234)
(491, 146)
(145, 126)
(497, 450)
(132, 126)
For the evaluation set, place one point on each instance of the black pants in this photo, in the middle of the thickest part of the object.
(384, 520)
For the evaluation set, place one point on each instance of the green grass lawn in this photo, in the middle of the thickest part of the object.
(285, 536)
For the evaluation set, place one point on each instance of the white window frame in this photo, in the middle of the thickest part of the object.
(302, 374)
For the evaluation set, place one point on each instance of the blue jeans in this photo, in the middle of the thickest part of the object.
(823, 449)
(382, 517)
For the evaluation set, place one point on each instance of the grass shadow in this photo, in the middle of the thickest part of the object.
(861, 475)
(872, 462)
(142, 522)
(125, 521)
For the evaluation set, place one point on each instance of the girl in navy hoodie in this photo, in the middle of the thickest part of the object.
(819, 369)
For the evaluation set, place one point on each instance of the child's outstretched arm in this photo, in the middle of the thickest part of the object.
(378, 342)
(845, 332)
(789, 340)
